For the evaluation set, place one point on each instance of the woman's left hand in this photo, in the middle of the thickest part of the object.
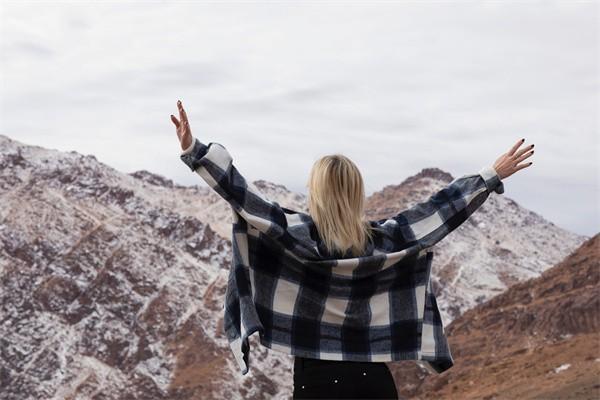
(508, 163)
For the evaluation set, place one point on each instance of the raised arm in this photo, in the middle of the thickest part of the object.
(428, 222)
(214, 164)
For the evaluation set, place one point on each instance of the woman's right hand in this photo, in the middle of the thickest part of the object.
(184, 133)
(506, 164)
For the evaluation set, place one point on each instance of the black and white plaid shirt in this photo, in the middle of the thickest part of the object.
(303, 301)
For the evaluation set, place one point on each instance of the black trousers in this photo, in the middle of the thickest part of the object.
(329, 379)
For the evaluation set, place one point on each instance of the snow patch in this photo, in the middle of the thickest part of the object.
(561, 368)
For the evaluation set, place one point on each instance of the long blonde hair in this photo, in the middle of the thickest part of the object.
(336, 199)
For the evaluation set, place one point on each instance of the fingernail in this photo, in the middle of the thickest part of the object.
(522, 140)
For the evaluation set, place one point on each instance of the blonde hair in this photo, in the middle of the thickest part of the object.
(336, 200)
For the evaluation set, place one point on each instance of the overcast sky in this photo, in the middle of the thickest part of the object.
(396, 86)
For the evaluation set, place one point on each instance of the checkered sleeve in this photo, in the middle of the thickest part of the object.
(428, 222)
(214, 164)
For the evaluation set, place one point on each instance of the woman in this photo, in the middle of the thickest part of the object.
(336, 194)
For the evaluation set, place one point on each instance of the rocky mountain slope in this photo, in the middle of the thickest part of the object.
(112, 284)
(540, 339)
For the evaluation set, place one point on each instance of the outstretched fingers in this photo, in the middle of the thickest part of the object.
(520, 156)
(523, 155)
(521, 166)
(177, 127)
(508, 163)
(175, 121)
(515, 147)
(182, 114)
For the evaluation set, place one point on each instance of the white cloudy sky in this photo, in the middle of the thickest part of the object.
(396, 86)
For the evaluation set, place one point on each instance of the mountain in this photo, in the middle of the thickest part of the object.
(106, 291)
(112, 284)
(540, 339)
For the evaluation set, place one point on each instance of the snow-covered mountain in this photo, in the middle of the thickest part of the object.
(112, 284)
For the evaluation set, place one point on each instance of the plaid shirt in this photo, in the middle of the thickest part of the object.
(306, 302)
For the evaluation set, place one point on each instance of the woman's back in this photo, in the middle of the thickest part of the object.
(337, 314)
(306, 301)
